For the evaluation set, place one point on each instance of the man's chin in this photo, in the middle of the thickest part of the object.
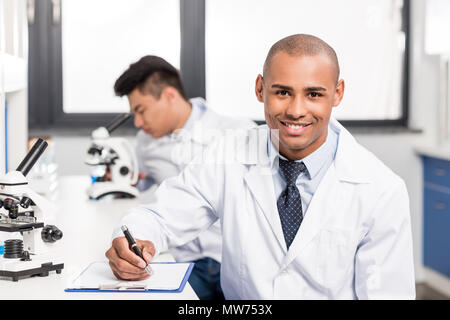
(294, 143)
(296, 149)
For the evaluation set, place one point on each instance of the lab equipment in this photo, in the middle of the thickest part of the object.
(114, 163)
(30, 251)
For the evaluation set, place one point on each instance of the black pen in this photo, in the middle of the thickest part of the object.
(135, 248)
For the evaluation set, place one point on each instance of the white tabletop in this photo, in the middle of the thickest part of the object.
(87, 227)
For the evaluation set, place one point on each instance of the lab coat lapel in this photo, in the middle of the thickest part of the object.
(259, 180)
(260, 183)
(326, 201)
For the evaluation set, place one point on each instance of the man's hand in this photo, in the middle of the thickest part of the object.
(124, 263)
(142, 175)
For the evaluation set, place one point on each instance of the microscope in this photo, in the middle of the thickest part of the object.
(22, 211)
(114, 162)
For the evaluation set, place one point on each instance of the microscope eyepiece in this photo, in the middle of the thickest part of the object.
(32, 156)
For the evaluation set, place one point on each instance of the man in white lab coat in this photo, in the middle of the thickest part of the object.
(170, 136)
(306, 212)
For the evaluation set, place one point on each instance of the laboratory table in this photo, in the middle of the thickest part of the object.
(87, 227)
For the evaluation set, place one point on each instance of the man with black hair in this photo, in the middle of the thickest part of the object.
(174, 129)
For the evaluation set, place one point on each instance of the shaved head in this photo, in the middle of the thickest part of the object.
(302, 45)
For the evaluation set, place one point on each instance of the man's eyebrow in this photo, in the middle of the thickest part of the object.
(136, 108)
(307, 89)
(310, 89)
(279, 86)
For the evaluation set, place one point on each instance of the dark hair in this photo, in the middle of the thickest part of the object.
(151, 74)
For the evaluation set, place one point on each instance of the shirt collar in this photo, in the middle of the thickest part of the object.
(198, 107)
(316, 160)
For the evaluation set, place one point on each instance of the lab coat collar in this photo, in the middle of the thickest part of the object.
(259, 179)
(349, 161)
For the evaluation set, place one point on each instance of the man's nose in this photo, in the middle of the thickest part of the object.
(137, 121)
(296, 108)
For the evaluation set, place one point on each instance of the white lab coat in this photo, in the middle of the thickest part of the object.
(354, 242)
(165, 157)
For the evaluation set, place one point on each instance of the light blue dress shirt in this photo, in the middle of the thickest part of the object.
(198, 109)
(317, 164)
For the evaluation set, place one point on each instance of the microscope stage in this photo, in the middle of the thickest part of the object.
(20, 226)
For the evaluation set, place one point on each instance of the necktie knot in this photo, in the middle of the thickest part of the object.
(291, 170)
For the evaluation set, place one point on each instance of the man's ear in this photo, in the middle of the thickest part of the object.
(259, 88)
(169, 92)
(339, 93)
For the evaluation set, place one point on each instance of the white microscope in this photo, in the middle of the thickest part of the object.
(22, 211)
(115, 166)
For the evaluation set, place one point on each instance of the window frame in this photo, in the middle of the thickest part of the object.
(45, 101)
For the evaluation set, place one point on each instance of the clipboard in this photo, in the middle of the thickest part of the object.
(168, 277)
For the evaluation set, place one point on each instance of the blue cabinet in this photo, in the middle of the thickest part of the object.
(437, 214)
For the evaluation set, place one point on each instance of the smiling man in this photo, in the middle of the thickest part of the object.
(305, 211)
(300, 93)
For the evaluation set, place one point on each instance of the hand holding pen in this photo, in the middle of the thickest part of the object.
(129, 258)
(135, 247)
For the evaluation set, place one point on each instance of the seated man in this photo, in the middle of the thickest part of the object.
(171, 134)
(306, 212)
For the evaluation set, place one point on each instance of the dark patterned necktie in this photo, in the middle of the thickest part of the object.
(289, 203)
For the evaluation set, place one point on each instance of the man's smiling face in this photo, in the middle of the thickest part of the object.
(299, 93)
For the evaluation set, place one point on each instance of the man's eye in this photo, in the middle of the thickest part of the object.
(315, 94)
(282, 92)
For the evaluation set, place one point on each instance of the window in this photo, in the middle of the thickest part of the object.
(101, 38)
(79, 48)
(369, 37)
(219, 46)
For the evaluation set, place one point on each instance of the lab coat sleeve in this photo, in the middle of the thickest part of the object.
(181, 207)
(384, 267)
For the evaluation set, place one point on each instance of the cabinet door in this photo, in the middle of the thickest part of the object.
(437, 231)
(437, 171)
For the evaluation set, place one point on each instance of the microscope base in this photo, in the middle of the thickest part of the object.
(16, 269)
